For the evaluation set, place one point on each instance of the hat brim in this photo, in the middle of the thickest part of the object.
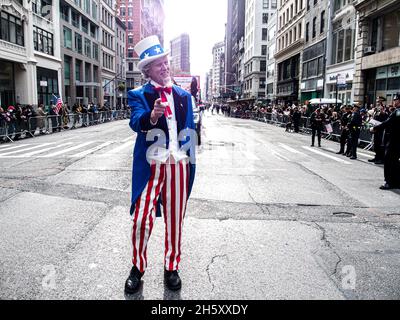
(146, 61)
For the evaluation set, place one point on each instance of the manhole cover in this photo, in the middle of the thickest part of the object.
(219, 143)
(344, 214)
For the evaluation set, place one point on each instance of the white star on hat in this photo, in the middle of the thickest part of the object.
(146, 55)
(157, 50)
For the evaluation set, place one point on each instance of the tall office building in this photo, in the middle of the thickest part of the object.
(180, 55)
(80, 51)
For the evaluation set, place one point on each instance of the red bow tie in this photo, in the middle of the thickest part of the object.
(163, 90)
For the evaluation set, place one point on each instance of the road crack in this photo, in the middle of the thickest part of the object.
(208, 269)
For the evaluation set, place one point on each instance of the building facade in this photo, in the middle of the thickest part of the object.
(142, 18)
(180, 55)
(30, 64)
(257, 15)
(340, 53)
(217, 51)
(377, 69)
(120, 62)
(270, 90)
(316, 20)
(289, 48)
(234, 48)
(80, 51)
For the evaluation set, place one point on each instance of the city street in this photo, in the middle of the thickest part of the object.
(269, 218)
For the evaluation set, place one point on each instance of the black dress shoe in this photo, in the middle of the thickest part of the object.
(388, 187)
(353, 158)
(133, 282)
(372, 160)
(172, 280)
(379, 162)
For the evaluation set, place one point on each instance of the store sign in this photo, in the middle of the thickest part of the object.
(381, 73)
(43, 83)
(332, 77)
(341, 79)
(320, 83)
(302, 85)
(394, 71)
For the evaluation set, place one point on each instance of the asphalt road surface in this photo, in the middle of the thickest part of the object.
(269, 218)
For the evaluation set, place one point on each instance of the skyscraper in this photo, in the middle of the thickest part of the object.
(180, 55)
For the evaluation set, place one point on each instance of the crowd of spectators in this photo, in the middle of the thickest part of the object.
(25, 120)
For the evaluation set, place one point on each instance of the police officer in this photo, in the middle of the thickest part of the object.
(344, 120)
(379, 115)
(354, 129)
(317, 120)
(392, 146)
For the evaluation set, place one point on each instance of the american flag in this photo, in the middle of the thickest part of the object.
(59, 103)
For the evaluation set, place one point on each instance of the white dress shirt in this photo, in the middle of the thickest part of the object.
(172, 153)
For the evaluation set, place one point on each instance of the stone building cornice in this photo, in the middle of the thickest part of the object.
(15, 9)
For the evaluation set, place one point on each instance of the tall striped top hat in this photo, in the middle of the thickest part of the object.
(149, 49)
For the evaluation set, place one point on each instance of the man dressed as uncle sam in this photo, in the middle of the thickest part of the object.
(163, 161)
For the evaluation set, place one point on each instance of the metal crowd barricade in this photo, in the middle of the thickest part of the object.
(4, 136)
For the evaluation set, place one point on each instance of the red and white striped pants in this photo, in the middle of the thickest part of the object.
(171, 181)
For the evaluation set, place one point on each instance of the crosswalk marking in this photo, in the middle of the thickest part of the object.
(279, 156)
(365, 155)
(284, 146)
(85, 153)
(66, 150)
(30, 154)
(26, 149)
(326, 155)
(119, 148)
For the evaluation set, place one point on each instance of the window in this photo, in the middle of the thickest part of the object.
(95, 51)
(78, 72)
(273, 4)
(130, 39)
(86, 6)
(67, 68)
(340, 46)
(94, 10)
(85, 26)
(78, 43)
(11, 29)
(130, 53)
(122, 11)
(391, 30)
(75, 19)
(130, 66)
(265, 18)
(314, 27)
(264, 34)
(308, 5)
(307, 31)
(263, 65)
(88, 48)
(263, 50)
(265, 4)
(43, 41)
(322, 28)
(87, 72)
(64, 11)
(67, 38)
(262, 83)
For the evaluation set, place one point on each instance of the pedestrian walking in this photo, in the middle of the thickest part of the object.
(392, 147)
(162, 172)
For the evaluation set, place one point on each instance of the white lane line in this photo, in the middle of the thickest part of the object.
(128, 139)
(250, 155)
(6, 148)
(66, 150)
(326, 155)
(26, 149)
(30, 154)
(278, 155)
(119, 148)
(365, 155)
(85, 153)
(284, 146)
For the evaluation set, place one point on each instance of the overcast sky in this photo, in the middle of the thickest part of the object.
(204, 21)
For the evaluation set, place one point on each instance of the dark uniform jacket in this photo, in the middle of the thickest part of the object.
(392, 126)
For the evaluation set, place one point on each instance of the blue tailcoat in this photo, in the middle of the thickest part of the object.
(141, 102)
